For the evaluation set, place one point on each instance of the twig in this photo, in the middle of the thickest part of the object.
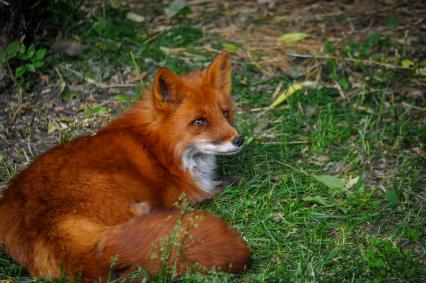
(366, 62)
(94, 82)
(257, 64)
(277, 89)
(141, 75)
(405, 104)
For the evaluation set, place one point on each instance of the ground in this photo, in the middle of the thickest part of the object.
(330, 99)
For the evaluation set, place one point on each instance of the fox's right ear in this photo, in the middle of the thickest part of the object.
(165, 89)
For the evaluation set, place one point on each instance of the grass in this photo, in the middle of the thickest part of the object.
(299, 227)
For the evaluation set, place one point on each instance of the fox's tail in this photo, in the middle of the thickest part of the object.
(162, 240)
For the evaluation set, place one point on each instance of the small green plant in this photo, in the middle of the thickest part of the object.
(20, 59)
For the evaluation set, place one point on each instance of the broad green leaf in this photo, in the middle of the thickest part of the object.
(12, 49)
(100, 26)
(392, 21)
(20, 71)
(30, 68)
(372, 39)
(316, 199)
(38, 64)
(230, 47)
(95, 110)
(344, 83)
(392, 197)
(407, 63)
(373, 259)
(329, 48)
(30, 52)
(40, 54)
(175, 7)
(249, 140)
(411, 234)
(331, 182)
(67, 95)
(293, 37)
(122, 98)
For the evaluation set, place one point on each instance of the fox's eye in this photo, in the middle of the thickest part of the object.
(200, 122)
(226, 114)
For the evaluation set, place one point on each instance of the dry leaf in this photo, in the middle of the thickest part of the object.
(289, 92)
(293, 37)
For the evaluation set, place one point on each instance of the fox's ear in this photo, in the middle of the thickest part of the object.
(165, 89)
(218, 74)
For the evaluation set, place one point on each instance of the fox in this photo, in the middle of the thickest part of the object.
(108, 200)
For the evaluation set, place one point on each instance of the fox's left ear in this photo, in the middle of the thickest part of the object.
(218, 74)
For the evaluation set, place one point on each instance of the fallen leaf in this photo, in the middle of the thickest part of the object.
(351, 182)
(293, 37)
(230, 47)
(135, 17)
(407, 63)
(316, 199)
(289, 92)
(54, 125)
(331, 182)
(337, 168)
(175, 7)
(278, 216)
(95, 110)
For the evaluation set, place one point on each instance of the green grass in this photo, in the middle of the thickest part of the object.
(298, 228)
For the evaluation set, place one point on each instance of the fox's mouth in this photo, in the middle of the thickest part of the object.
(226, 148)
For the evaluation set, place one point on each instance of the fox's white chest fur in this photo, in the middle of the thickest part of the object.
(202, 168)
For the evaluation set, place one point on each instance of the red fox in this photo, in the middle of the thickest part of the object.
(110, 196)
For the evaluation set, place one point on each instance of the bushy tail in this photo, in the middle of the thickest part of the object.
(164, 241)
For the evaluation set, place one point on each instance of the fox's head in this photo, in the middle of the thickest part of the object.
(195, 111)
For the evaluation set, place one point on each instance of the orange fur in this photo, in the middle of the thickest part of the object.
(112, 194)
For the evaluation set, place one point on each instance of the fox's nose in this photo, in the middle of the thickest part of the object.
(238, 140)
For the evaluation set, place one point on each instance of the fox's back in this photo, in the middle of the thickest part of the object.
(94, 176)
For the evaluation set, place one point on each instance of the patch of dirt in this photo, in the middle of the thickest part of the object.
(33, 122)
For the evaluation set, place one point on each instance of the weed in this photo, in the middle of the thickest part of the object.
(19, 60)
